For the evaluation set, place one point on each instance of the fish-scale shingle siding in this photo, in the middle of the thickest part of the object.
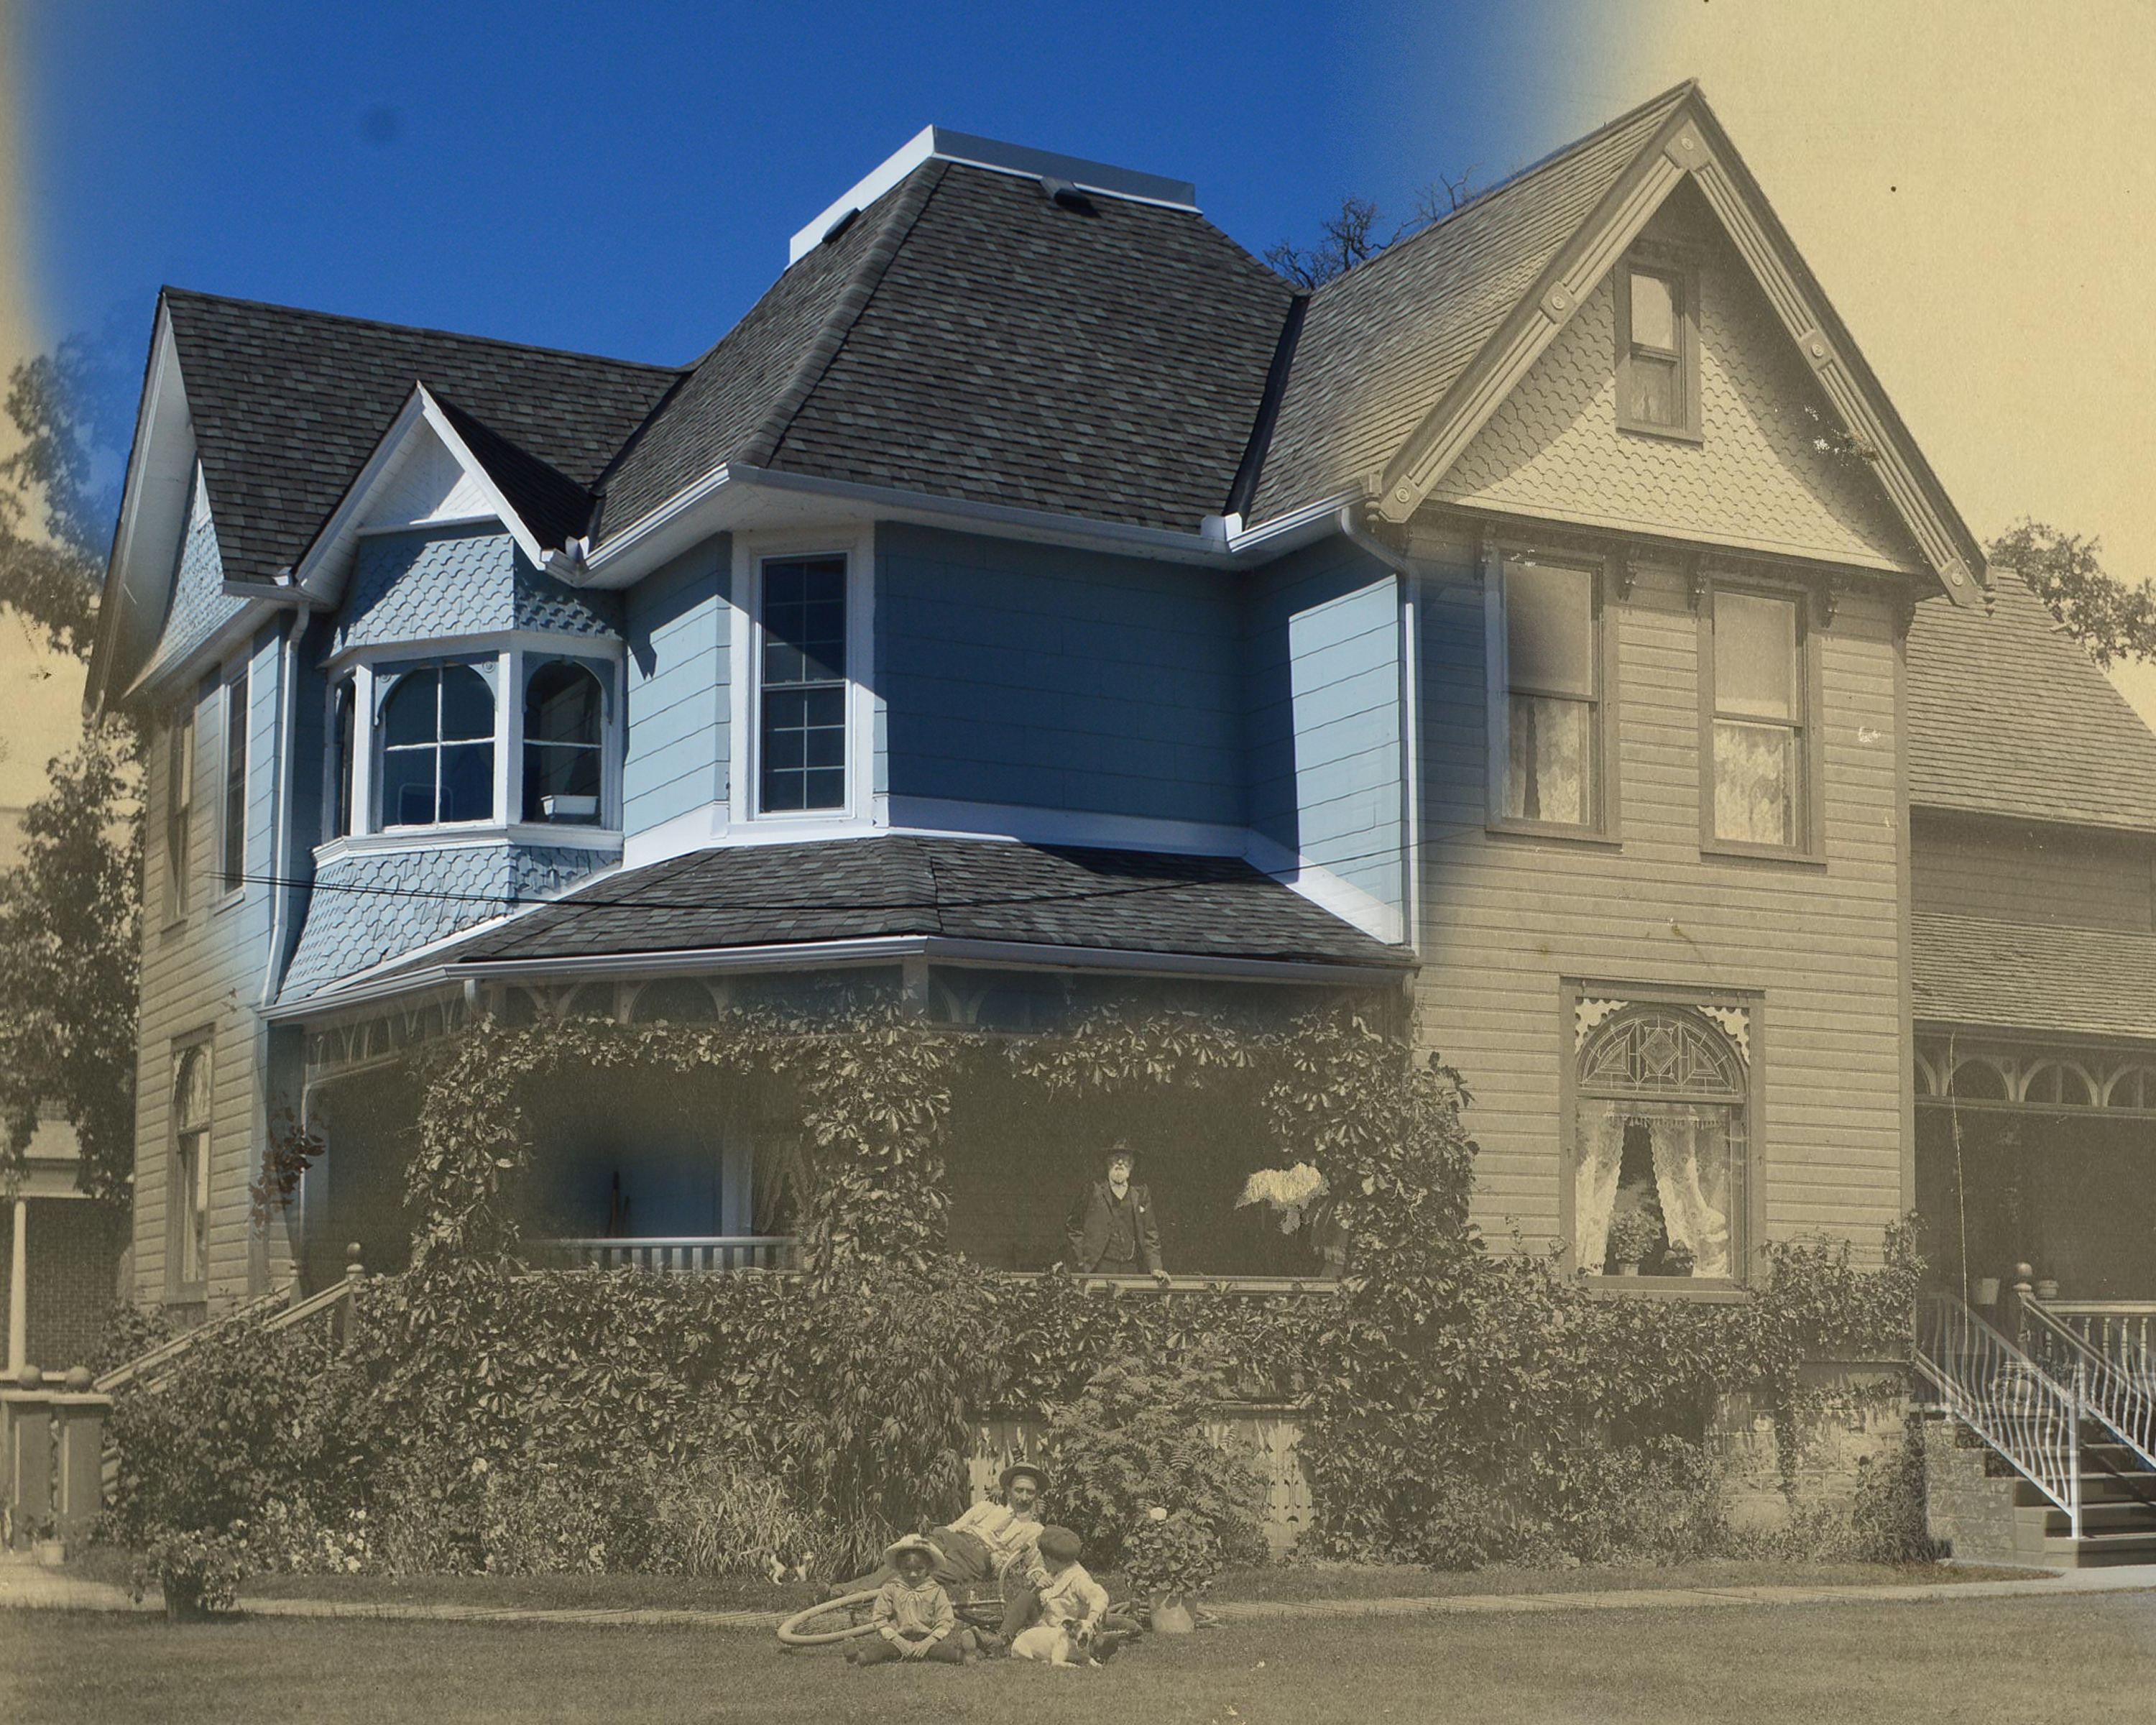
(435, 585)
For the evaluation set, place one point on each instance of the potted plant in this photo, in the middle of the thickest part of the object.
(198, 1572)
(1632, 1236)
(1677, 1260)
(46, 1545)
(1170, 1556)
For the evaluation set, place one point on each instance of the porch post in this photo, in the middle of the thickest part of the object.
(18, 1289)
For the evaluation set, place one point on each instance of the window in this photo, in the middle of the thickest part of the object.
(232, 832)
(801, 734)
(190, 1179)
(1552, 717)
(1657, 348)
(1758, 741)
(1660, 1139)
(438, 748)
(342, 761)
(564, 741)
(179, 809)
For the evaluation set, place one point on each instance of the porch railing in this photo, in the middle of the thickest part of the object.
(2122, 1332)
(2006, 1398)
(684, 1254)
(2112, 1361)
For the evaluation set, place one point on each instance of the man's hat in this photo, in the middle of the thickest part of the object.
(912, 1541)
(1060, 1545)
(1038, 1475)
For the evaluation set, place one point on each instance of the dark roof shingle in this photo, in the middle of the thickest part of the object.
(2008, 976)
(288, 405)
(968, 889)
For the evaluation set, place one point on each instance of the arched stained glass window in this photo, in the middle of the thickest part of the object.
(438, 748)
(1660, 1142)
(564, 734)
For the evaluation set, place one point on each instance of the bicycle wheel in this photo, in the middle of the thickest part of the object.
(840, 1619)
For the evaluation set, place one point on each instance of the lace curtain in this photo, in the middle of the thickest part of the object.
(1545, 759)
(1691, 1144)
(1754, 783)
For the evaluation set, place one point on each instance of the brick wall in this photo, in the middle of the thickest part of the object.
(74, 1262)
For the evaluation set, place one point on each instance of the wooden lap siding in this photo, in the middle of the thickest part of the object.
(204, 973)
(1506, 919)
(678, 623)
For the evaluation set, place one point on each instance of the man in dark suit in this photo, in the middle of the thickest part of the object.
(1110, 1228)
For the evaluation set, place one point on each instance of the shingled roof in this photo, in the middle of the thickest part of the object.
(2008, 715)
(1383, 343)
(968, 336)
(969, 889)
(288, 405)
(1983, 974)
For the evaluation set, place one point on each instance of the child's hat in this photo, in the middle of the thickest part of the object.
(912, 1541)
(1059, 1544)
(1038, 1475)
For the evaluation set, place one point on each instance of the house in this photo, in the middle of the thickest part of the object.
(1034, 603)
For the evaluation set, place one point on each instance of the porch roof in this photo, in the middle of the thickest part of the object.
(2013, 975)
(944, 888)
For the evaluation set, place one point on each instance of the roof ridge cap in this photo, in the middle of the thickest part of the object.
(168, 292)
(1519, 176)
(911, 197)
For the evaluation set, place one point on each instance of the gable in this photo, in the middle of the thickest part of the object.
(197, 605)
(1772, 470)
(428, 484)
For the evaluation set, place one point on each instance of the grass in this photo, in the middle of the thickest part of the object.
(1286, 1582)
(1978, 1661)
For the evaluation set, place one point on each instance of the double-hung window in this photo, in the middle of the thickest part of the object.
(232, 828)
(1552, 708)
(564, 744)
(800, 686)
(1658, 347)
(189, 1239)
(179, 809)
(1758, 732)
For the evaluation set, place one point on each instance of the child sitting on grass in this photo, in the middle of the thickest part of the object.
(913, 1614)
(1072, 1605)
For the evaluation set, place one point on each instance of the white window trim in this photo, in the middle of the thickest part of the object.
(241, 667)
(751, 552)
(505, 659)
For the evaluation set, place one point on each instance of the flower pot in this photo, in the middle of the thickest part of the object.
(1625, 1267)
(2047, 1288)
(1171, 1616)
(183, 1602)
(51, 1552)
(1987, 1291)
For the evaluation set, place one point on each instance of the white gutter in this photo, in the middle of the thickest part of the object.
(799, 956)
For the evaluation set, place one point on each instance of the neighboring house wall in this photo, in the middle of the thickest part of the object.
(1324, 738)
(2012, 872)
(1032, 674)
(202, 975)
(1505, 918)
(1766, 471)
(680, 623)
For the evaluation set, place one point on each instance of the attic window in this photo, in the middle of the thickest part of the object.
(1658, 347)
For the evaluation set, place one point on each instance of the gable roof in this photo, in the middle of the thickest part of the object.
(1404, 359)
(2008, 715)
(968, 336)
(288, 406)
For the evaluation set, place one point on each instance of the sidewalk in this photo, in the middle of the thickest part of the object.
(27, 1586)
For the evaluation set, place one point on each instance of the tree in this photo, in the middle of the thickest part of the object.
(2112, 618)
(1352, 236)
(70, 914)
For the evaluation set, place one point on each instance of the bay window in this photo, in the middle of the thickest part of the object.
(564, 744)
(438, 748)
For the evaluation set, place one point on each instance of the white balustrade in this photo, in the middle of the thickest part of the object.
(2006, 1398)
(683, 1255)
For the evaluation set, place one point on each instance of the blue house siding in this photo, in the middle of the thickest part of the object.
(1033, 674)
(1324, 728)
(431, 584)
(198, 607)
(371, 907)
(678, 624)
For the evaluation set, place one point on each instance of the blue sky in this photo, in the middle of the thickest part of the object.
(623, 179)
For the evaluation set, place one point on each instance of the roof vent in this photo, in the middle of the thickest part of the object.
(1064, 195)
(840, 226)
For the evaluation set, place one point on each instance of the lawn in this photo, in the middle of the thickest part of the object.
(1973, 1661)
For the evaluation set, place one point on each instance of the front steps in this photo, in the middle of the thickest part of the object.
(1986, 1512)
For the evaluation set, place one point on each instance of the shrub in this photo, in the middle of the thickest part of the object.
(1142, 1484)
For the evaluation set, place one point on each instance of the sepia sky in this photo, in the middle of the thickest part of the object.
(1974, 181)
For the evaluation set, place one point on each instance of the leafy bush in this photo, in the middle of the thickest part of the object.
(130, 1331)
(1139, 1480)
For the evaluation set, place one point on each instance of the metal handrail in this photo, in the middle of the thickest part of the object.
(2006, 1398)
(2122, 1406)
